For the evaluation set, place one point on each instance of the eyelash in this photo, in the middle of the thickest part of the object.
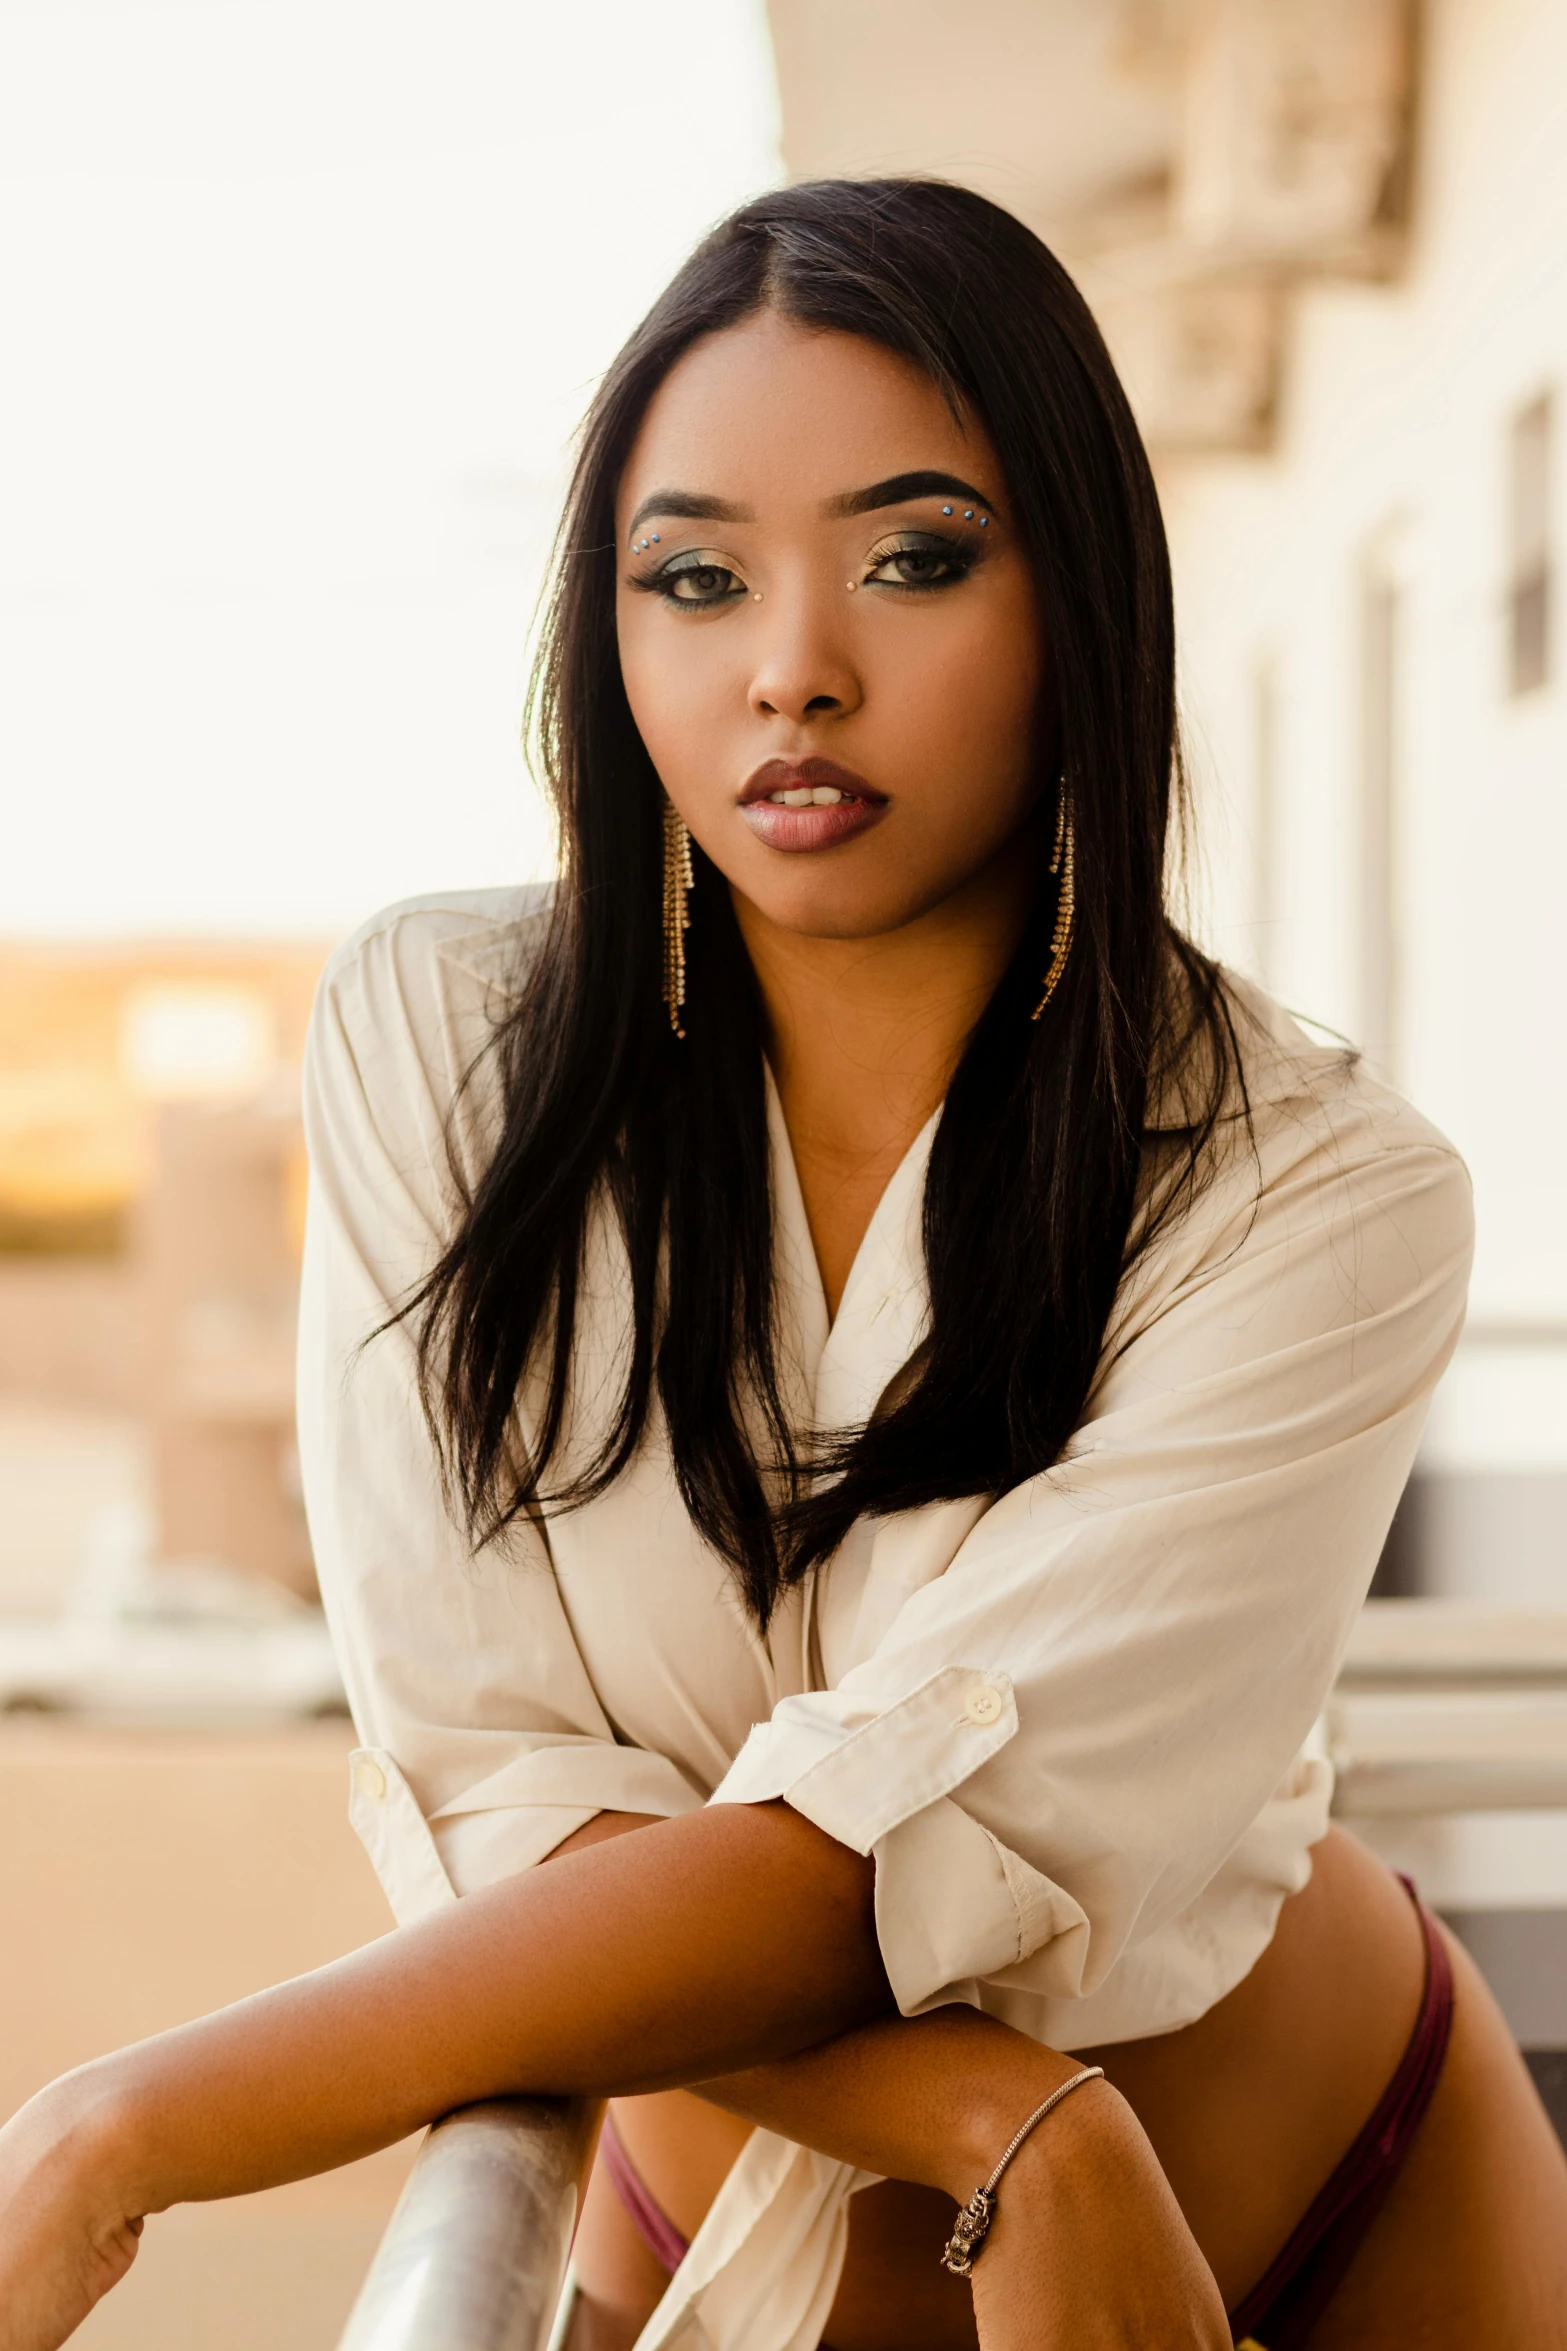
(660, 581)
(956, 554)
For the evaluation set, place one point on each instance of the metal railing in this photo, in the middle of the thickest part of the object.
(474, 2256)
(1441, 1707)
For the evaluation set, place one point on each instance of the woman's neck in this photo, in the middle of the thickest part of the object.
(863, 1036)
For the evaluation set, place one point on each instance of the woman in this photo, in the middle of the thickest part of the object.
(853, 1385)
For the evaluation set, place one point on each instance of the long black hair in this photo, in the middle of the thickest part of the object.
(1034, 1177)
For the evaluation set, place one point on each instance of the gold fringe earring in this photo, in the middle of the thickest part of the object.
(1063, 867)
(678, 879)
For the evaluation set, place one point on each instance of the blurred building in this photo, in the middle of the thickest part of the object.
(1327, 240)
(152, 1184)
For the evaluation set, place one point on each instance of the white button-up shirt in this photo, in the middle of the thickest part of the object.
(1073, 1723)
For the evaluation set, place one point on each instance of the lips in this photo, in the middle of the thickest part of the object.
(841, 804)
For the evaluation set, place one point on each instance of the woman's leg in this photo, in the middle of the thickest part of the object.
(1470, 2250)
(687, 2147)
(619, 2284)
(1476, 2224)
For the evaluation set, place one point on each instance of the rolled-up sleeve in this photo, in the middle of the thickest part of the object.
(483, 1741)
(1061, 1736)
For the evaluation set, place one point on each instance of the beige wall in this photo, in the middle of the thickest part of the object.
(145, 1878)
(60, 1472)
(73, 1332)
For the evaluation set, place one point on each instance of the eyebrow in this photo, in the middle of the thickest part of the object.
(897, 490)
(687, 506)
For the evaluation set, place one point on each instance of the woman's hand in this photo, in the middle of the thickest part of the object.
(66, 2235)
(1088, 2250)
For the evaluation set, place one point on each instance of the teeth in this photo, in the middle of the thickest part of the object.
(808, 796)
(826, 796)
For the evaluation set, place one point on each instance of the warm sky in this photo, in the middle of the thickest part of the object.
(302, 299)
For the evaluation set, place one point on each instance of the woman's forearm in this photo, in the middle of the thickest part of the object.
(931, 2099)
(1089, 2244)
(731, 1937)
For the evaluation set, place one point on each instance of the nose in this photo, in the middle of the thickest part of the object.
(804, 667)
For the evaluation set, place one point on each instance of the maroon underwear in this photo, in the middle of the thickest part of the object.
(1285, 2304)
(651, 2222)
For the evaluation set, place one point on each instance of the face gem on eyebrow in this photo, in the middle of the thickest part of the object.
(899, 488)
(687, 506)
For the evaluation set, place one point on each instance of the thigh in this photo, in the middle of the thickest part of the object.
(619, 2284)
(894, 2294)
(1470, 2250)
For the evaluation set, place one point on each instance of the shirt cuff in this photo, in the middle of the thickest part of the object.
(393, 1831)
(955, 1907)
(592, 1775)
(857, 1769)
(952, 1904)
(504, 1823)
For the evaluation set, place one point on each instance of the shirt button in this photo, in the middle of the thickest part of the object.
(369, 1778)
(983, 1706)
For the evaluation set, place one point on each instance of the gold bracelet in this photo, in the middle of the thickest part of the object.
(972, 2225)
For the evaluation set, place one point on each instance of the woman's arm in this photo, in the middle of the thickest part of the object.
(729, 1940)
(723, 1939)
(1088, 2251)
(1089, 2247)
(719, 1940)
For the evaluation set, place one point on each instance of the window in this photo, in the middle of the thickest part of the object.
(1529, 581)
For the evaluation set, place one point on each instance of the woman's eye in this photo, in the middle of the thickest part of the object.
(694, 583)
(704, 584)
(918, 564)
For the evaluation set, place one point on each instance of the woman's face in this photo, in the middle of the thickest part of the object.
(822, 593)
